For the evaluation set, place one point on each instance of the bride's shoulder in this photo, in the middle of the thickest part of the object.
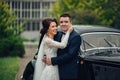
(47, 39)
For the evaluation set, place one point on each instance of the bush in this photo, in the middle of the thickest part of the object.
(12, 46)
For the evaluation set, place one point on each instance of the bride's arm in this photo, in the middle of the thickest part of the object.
(57, 44)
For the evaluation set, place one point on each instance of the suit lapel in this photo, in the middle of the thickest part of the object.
(58, 36)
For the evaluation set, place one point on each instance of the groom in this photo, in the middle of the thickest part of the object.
(66, 58)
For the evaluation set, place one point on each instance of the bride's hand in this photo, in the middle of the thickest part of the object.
(70, 29)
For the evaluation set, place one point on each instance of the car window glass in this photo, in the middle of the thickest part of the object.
(100, 39)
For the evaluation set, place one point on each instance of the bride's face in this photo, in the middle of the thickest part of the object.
(52, 30)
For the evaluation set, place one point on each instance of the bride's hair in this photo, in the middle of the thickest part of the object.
(46, 23)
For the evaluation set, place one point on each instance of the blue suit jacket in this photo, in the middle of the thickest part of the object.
(67, 58)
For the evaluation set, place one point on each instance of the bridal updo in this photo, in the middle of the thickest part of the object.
(46, 23)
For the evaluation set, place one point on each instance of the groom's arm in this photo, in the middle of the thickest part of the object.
(71, 54)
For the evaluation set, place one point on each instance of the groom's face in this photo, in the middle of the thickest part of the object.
(65, 23)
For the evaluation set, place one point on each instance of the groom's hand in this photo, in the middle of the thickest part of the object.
(44, 59)
(48, 60)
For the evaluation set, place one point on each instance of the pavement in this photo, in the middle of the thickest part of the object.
(30, 51)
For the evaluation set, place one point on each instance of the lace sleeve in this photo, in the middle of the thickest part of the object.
(57, 44)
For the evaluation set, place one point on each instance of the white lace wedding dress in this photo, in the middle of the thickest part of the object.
(49, 48)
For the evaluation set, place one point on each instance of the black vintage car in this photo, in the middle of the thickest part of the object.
(99, 56)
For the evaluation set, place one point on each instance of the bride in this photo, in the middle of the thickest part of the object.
(49, 48)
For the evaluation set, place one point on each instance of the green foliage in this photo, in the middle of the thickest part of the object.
(96, 12)
(12, 46)
(62, 6)
(108, 12)
(76, 8)
(6, 20)
(8, 68)
(10, 42)
(18, 29)
(84, 17)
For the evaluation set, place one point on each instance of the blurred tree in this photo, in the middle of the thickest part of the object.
(77, 9)
(10, 40)
(6, 20)
(62, 6)
(108, 11)
(96, 12)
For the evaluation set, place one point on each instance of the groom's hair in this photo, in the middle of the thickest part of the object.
(66, 15)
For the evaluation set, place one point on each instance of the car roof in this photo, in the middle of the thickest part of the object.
(90, 28)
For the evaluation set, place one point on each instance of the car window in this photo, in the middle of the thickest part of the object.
(100, 39)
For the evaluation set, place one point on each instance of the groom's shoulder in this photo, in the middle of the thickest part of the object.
(75, 33)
